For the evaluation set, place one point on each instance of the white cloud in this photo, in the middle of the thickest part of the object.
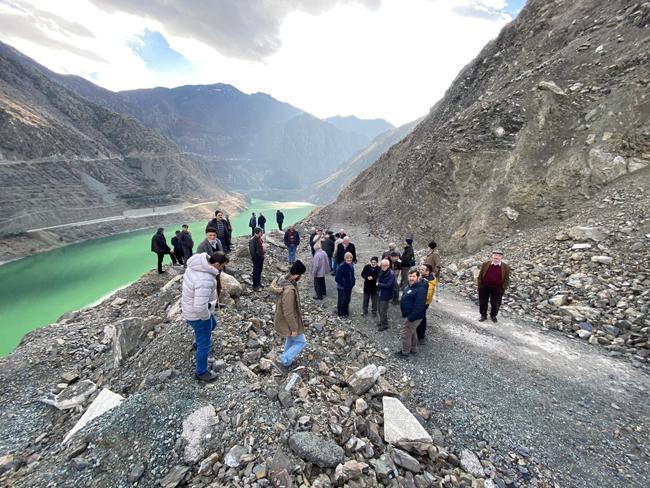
(392, 61)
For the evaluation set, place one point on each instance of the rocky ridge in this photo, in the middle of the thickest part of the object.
(326, 423)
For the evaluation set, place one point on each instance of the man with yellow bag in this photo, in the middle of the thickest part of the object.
(427, 276)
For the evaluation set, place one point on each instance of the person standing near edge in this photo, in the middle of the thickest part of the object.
(186, 243)
(221, 228)
(279, 218)
(252, 223)
(178, 249)
(493, 280)
(211, 243)
(198, 303)
(412, 308)
(385, 285)
(370, 273)
(256, 249)
(160, 247)
(344, 284)
(288, 319)
(292, 241)
(320, 266)
(261, 222)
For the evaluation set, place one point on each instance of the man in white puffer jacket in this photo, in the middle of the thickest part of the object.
(198, 303)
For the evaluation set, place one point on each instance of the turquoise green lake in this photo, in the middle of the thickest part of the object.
(37, 290)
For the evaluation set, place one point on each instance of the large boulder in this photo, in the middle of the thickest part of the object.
(361, 381)
(129, 337)
(581, 233)
(105, 401)
(196, 427)
(230, 285)
(315, 449)
(400, 425)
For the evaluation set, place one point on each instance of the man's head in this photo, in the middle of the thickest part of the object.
(426, 269)
(292, 227)
(432, 245)
(160, 230)
(391, 246)
(297, 270)
(211, 234)
(414, 276)
(253, 214)
(184, 227)
(346, 240)
(218, 260)
(177, 232)
(408, 242)
(218, 214)
(258, 231)
(385, 264)
(373, 261)
(394, 256)
(497, 256)
(348, 257)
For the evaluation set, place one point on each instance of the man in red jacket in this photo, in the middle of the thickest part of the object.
(493, 280)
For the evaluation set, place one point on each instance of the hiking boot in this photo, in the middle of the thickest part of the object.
(422, 341)
(383, 327)
(400, 354)
(494, 319)
(483, 318)
(208, 376)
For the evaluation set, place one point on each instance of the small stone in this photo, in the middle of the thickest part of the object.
(601, 259)
(360, 406)
(174, 477)
(285, 398)
(405, 460)
(74, 395)
(232, 459)
(70, 377)
(385, 468)
(315, 449)
(470, 463)
(105, 401)
(361, 381)
(552, 87)
(207, 463)
(558, 300)
(6, 462)
(118, 302)
(584, 334)
(136, 473)
(351, 470)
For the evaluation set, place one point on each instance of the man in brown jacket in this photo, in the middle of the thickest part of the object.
(433, 259)
(493, 280)
(288, 314)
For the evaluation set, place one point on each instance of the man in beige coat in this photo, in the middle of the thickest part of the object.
(433, 259)
(288, 314)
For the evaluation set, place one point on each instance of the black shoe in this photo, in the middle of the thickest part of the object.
(494, 319)
(422, 341)
(400, 354)
(414, 353)
(483, 318)
(317, 298)
(385, 327)
(161, 272)
(208, 376)
(364, 313)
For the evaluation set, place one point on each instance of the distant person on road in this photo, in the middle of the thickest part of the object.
(412, 308)
(261, 222)
(344, 284)
(327, 244)
(198, 304)
(493, 280)
(427, 277)
(385, 286)
(219, 224)
(292, 241)
(211, 244)
(433, 259)
(396, 266)
(178, 249)
(408, 261)
(370, 273)
(186, 243)
(320, 266)
(160, 247)
(279, 218)
(252, 223)
(288, 319)
(256, 249)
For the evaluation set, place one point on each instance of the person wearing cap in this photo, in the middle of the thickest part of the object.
(493, 280)
(256, 249)
(344, 284)
(433, 259)
(320, 266)
(370, 273)
(288, 320)
(211, 243)
(408, 261)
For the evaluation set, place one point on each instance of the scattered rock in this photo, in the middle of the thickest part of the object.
(105, 401)
(400, 425)
(470, 463)
(195, 428)
(74, 395)
(315, 449)
(405, 460)
(361, 381)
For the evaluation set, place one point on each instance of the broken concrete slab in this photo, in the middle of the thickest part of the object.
(105, 401)
(400, 425)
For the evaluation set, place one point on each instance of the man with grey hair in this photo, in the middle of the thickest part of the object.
(391, 249)
(345, 247)
(385, 286)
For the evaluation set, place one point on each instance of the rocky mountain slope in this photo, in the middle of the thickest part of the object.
(64, 159)
(328, 189)
(549, 113)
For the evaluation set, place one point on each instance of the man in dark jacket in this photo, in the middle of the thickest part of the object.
(186, 243)
(220, 226)
(412, 307)
(370, 273)
(327, 245)
(279, 218)
(396, 266)
(256, 249)
(408, 261)
(292, 241)
(261, 222)
(493, 280)
(178, 249)
(385, 287)
(344, 284)
(160, 247)
(252, 223)
(211, 244)
(345, 247)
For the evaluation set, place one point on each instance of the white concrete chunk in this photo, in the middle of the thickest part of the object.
(195, 428)
(105, 401)
(400, 425)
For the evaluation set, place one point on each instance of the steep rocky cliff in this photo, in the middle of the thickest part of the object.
(64, 159)
(547, 115)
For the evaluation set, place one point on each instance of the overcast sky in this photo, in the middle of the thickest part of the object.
(372, 58)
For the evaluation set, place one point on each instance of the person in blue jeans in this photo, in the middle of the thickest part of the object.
(198, 303)
(288, 319)
(344, 284)
(292, 241)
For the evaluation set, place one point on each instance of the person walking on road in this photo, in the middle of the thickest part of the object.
(279, 218)
(288, 320)
(320, 266)
(256, 249)
(370, 273)
(160, 247)
(427, 277)
(493, 280)
(252, 223)
(385, 286)
(198, 304)
(186, 243)
(344, 284)
(261, 222)
(178, 249)
(292, 241)
(412, 308)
